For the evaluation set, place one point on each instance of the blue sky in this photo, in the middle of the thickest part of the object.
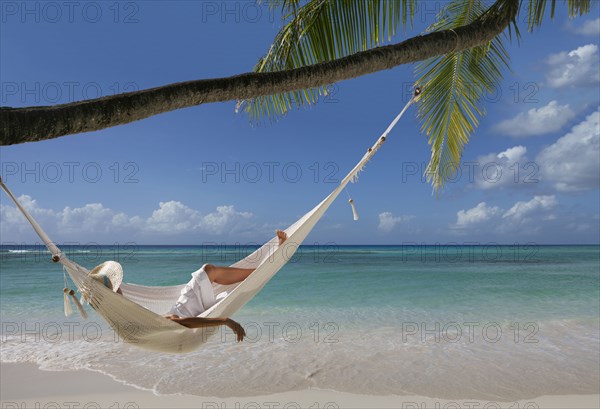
(206, 174)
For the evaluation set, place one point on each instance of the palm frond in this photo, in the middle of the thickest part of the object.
(453, 86)
(288, 8)
(321, 31)
(536, 9)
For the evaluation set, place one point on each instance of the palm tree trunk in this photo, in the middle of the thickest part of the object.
(19, 125)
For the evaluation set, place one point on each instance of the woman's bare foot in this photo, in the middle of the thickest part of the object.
(282, 236)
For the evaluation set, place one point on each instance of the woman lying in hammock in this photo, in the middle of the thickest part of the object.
(198, 295)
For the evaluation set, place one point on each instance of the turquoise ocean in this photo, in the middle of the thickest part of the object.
(485, 322)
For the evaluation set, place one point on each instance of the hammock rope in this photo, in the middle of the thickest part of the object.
(137, 315)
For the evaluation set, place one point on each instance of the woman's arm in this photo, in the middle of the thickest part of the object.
(199, 322)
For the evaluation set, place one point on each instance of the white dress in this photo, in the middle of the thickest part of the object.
(196, 297)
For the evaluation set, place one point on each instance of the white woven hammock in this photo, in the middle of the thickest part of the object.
(138, 315)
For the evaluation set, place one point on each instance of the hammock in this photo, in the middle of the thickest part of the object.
(137, 316)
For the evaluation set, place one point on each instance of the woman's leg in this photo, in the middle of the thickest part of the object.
(232, 275)
(226, 275)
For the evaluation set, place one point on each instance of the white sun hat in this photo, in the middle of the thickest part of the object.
(110, 273)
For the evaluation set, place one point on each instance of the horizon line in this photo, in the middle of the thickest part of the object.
(214, 244)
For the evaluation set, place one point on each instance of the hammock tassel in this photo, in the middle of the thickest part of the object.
(78, 305)
(85, 298)
(354, 212)
(67, 304)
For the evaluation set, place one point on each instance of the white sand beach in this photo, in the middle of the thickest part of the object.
(23, 385)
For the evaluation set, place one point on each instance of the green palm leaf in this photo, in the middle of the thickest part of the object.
(324, 30)
(536, 10)
(453, 86)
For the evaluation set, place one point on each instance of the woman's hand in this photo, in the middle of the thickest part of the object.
(237, 328)
(198, 322)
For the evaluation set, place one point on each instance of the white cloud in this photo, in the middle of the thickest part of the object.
(578, 227)
(572, 163)
(478, 214)
(537, 121)
(92, 217)
(574, 68)
(513, 154)
(224, 217)
(173, 217)
(503, 169)
(483, 217)
(589, 28)
(387, 221)
(521, 210)
(11, 219)
(126, 223)
(96, 222)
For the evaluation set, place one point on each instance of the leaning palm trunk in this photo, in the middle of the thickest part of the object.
(18, 125)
